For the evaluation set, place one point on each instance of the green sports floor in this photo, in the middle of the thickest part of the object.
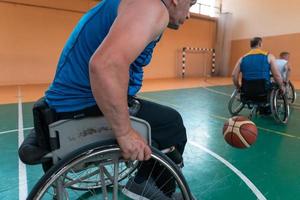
(270, 169)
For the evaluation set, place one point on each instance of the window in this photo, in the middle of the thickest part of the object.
(207, 7)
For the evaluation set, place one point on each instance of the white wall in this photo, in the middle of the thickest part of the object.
(263, 17)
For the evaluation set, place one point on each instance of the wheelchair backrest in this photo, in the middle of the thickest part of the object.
(69, 135)
(255, 89)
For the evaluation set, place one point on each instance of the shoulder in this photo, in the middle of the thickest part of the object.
(238, 64)
(264, 52)
(281, 62)
(150, 14)
(271, 57)
(241, 59)
(153, 9)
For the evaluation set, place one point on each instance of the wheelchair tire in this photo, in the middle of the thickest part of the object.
(291, 93)
(53, 184)
(235, 104)
(279, 106)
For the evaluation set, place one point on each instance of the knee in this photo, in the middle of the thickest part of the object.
(177, 119)
(180, 131)
(30, 152)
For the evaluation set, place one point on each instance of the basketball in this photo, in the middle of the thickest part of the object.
(240, 132)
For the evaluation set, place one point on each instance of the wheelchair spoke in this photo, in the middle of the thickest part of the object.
(112, 173)
(150, 175)
(291, 93)
(235, 104)
(104, 189)
(163, 185)
(280, 106)
(116, 179)
(90, 178)
(60, 190)
(81, 178)
(108, 175)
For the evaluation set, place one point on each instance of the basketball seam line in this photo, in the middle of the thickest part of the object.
(239, 135)
(251, 132)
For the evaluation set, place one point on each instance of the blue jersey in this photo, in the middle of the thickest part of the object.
(71, 89)
(255, 65)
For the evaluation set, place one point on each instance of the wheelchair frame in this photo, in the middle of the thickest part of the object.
(79, 145)
(273, 99)
(291, 93)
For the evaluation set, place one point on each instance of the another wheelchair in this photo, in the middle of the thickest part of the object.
(256, 95)
(87, 163)
(291, 93)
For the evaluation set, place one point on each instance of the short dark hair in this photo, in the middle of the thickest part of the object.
(254, 42)
(283, 54)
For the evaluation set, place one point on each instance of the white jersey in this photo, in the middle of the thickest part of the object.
(281, 64)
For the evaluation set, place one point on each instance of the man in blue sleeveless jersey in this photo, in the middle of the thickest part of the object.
(101, 67)
(256, 65)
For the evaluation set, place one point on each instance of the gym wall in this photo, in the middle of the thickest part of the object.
(33, 35)
(166, 62)
(276, 21)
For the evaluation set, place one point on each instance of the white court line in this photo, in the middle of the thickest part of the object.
(294, 105)
(252, 187)
(15, 130)
(216, 91)
(224, 118)
(159, 102)
(22, 167)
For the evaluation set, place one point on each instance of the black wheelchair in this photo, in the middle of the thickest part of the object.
(86, 162)
(258, 96)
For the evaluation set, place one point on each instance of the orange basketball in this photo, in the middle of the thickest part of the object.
(240, 132)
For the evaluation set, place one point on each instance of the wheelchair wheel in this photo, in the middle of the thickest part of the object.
(91, 176)
(279, 106)
(291, 93)
(55, 185)
(235, 104)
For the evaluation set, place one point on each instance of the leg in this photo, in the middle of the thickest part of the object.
(167, 130)
(30, 152)
(167, 127)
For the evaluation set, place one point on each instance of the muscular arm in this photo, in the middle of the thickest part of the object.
(288, 71)
(236, 74)
(137, 24)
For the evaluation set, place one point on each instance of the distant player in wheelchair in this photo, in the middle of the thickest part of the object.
(285, 69)
(91, 146)
(256, 90)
